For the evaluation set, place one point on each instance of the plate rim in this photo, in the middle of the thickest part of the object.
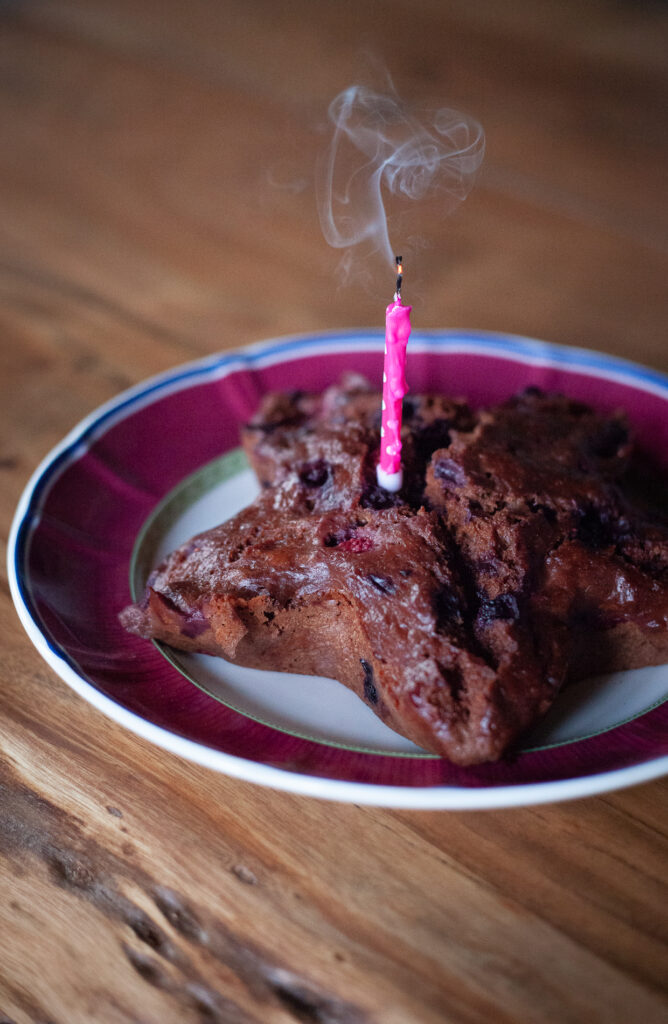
(518, 348)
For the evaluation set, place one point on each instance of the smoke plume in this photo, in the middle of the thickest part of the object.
(380, 158)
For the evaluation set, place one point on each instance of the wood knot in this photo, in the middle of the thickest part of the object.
(70, 869)
(244, 874)
(147, 967)
(180, 916)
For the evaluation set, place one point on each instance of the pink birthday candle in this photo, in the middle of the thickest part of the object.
(397, 332)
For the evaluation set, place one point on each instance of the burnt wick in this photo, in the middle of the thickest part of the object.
(400, 275)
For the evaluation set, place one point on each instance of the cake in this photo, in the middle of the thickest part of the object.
(519, 555)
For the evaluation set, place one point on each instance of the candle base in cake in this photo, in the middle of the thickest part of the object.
(389, 481)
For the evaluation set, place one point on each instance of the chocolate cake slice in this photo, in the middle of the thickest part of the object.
(513, 558)
(539, 499)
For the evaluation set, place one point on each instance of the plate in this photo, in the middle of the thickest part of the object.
(161, 462)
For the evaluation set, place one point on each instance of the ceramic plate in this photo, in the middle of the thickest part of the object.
(161, 462)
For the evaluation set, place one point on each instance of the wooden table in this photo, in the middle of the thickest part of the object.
(156, 203)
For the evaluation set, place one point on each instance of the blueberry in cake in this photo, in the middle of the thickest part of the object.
(519, 554)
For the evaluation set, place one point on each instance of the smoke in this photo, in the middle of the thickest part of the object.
(378, 152)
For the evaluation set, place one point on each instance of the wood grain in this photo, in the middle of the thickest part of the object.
(156, 200)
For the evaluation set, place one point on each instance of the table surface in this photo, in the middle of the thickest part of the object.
(156, 205)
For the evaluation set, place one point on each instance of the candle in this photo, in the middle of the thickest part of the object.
(397, 332)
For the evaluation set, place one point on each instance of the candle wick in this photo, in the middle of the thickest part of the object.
(400, 275)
